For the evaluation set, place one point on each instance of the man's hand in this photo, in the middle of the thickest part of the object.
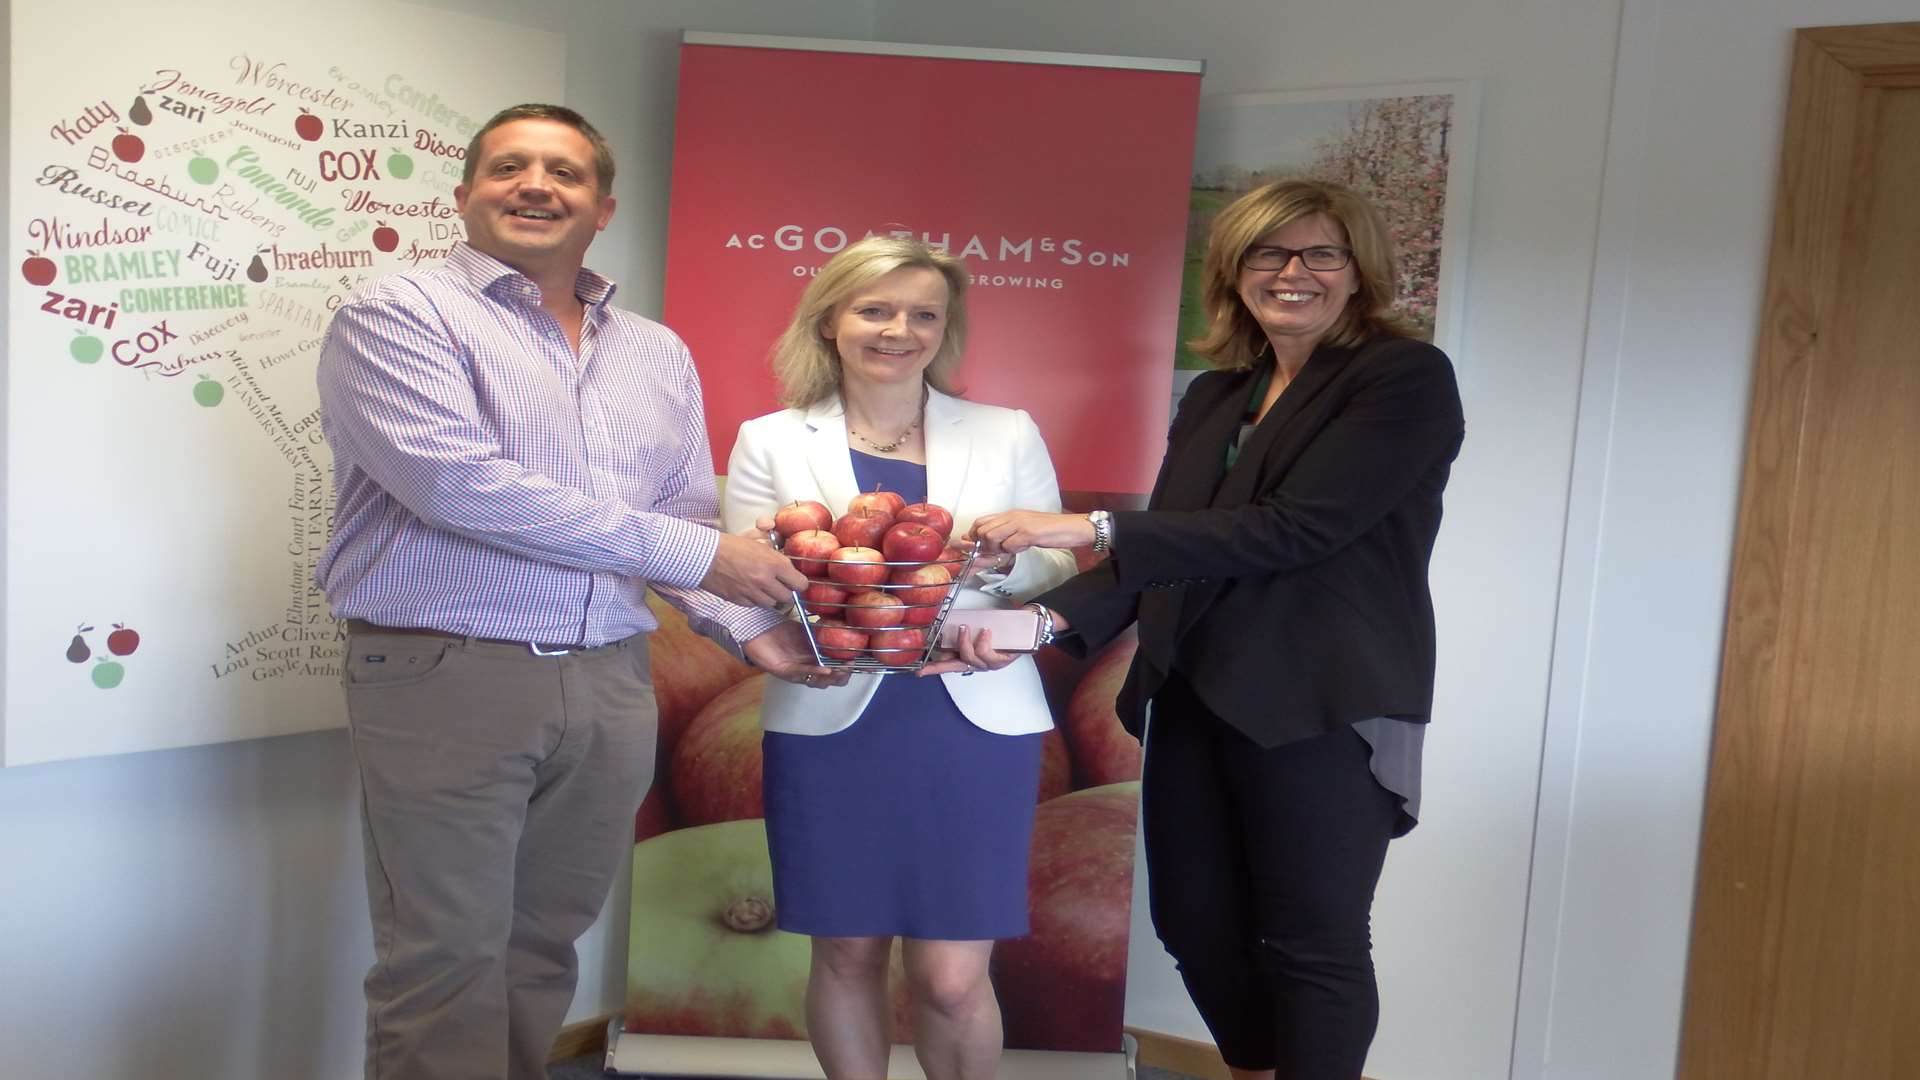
(783, 652)
(751, 572)
(1018, 530)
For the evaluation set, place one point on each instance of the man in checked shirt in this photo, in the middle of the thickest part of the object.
(516, 460)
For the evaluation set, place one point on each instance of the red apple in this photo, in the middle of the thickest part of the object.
(898, 647)
(703, 955)
(38, 269)
(926, 590)
(385, 238)
(128, 147)
(799, 517)
(308, 126)
(952, 558)
(889, 503)
(821, 598)
(1056, 767)
(810, 551)
(862, 528)
(838, 641)
(122, 641)
(932, 515)
(871, 609)
(859, 566)
(1103, 752)
(655, 815)
(689, 670)
(715, 770)
(912, 542)
(1063, 987)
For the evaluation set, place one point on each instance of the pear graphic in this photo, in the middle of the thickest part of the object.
(140, 114)
(256, 270)
(77, 652)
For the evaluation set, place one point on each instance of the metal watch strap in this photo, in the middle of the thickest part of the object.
(1046, 622)
(1102, 530)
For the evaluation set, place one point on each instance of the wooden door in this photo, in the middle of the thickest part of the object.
(1806, 934)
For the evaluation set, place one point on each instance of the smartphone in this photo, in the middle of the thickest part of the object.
(1015, 630)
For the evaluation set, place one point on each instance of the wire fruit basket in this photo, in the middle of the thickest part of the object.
(878, 616)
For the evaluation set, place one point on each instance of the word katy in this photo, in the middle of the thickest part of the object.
(93, 116)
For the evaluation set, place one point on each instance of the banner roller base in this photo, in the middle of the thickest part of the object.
(629, 1054)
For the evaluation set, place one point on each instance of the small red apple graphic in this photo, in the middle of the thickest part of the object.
(122, 641)
(308, 126)
(1064, 986)
(128, 147)
(38, 269)
(385, 238)
(715, 769)
(703, 954)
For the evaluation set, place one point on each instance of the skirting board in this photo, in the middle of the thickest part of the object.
(1175, 1054)
(782, 1059)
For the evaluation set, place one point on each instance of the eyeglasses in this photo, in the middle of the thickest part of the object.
(1325, 257)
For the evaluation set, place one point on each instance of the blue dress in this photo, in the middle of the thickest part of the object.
(911, 821)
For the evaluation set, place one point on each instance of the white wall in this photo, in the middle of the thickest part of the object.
(1692, 172)
(201, 913)
(1450, 912)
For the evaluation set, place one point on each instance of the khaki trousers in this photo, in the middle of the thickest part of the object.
(498, 791)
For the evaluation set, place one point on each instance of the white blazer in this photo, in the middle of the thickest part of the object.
(980, 459)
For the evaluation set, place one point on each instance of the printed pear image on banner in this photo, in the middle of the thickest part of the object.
(139, 113)
(77, 651)
(256, 270)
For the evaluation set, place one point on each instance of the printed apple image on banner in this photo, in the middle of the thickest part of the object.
(39, 270)
(703, 954)
(128, 147)
(85, 348)
(399, 165)
(309, 126)
(385, 238)
(208, 392)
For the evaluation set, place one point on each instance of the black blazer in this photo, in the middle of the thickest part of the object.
(1290, 592)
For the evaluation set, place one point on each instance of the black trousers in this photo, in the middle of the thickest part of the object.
(1261, 869)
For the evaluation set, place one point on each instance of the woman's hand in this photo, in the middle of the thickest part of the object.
(1018, 530)
(974, 654)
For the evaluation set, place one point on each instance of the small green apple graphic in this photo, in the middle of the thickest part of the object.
(399, 166)
(86, 348)
(203, 169)
(208, 391)
(108, 673)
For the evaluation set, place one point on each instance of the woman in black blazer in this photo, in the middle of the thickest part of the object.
(1279, 579)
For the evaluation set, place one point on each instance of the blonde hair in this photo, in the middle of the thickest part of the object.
(807, 364)
(1233, 338)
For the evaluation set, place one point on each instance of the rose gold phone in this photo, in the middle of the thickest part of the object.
(1014, 629)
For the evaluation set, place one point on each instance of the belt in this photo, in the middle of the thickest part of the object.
(361, 626)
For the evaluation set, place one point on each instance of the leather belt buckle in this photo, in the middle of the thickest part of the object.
(538, 649)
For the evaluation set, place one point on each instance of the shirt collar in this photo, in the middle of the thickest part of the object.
(487, 274)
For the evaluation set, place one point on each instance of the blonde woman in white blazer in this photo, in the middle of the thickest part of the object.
(896, 805)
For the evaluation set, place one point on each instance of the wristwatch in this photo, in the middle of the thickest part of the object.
(1102, 530)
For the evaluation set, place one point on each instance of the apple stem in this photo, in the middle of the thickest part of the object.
(748, 915)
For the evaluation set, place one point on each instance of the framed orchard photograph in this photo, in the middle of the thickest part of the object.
(1407, 147)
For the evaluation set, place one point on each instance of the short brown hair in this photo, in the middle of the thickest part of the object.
(808, 365)
(602, 153)
(1233, 338)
